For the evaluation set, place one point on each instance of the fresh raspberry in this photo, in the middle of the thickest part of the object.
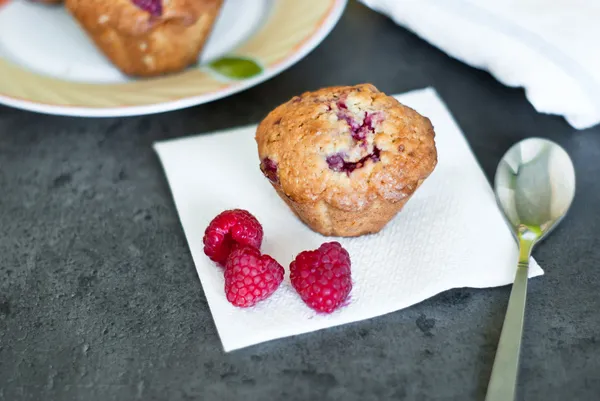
(322, 277)
(154, 7)
(250, 277)
(229, 228)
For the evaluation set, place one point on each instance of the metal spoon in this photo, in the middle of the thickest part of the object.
(535, 186)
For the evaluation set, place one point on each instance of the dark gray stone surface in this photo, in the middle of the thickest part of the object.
(99, 299)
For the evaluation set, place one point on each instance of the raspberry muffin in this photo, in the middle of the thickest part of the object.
(147, 37)
(346, 159)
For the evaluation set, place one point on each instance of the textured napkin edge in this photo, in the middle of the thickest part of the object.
(158, 146)
(535, 270)
(270, 334)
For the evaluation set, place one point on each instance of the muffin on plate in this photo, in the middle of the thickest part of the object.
(346, 159)
(147, 37)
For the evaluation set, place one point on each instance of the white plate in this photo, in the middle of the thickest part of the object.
(48, 64)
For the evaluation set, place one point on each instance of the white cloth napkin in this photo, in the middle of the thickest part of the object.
(550, 48)
(450, 234)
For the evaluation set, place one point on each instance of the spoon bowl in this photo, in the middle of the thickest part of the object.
(535, 186)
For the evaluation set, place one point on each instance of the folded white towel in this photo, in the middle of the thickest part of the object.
(551, 48)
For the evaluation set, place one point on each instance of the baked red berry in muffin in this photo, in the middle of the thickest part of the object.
(346, 159)
(147, 37)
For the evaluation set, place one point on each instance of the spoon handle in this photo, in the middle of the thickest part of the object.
(503, 381)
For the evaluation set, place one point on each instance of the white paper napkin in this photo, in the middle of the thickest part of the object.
(550, 48)
(450, 234)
